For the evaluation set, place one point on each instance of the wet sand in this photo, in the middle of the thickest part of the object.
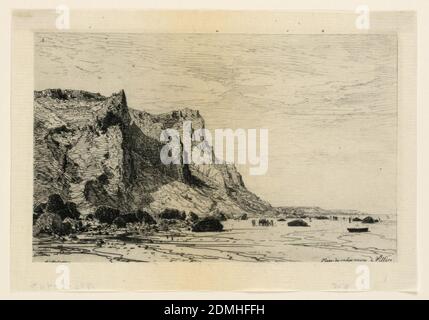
(324, 240)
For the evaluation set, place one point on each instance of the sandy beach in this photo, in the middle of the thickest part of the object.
(322, 241)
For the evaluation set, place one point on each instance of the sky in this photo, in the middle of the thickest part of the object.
(328, 101)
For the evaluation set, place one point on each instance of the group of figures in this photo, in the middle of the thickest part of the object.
(263, 222)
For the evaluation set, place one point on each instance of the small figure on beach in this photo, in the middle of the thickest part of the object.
(265, 222)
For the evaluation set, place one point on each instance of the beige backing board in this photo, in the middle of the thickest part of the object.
(338, 99)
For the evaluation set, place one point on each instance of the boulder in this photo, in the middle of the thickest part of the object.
(369, 220)
(71, 226)
(130, 217)
(49, 223)
(56, 205)
(119, 222)
(106, 214)
(169, 213)
(207, 224)
(72, 210)
(297, 223)
(243, 216)
(193, 217)
(357, 219)
(145, 217)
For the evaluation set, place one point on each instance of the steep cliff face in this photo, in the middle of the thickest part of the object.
(94, 150)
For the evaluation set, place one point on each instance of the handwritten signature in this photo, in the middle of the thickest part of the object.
(380, 258)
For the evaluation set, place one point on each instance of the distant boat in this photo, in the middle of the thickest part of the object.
(357, 229)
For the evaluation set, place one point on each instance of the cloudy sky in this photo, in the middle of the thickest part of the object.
(328, 101)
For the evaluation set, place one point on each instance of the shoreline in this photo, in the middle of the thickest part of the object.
(324, 240)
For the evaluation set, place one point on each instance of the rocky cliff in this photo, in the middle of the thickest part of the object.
(95, 150)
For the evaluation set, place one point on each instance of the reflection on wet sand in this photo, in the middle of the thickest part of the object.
(324, 240)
